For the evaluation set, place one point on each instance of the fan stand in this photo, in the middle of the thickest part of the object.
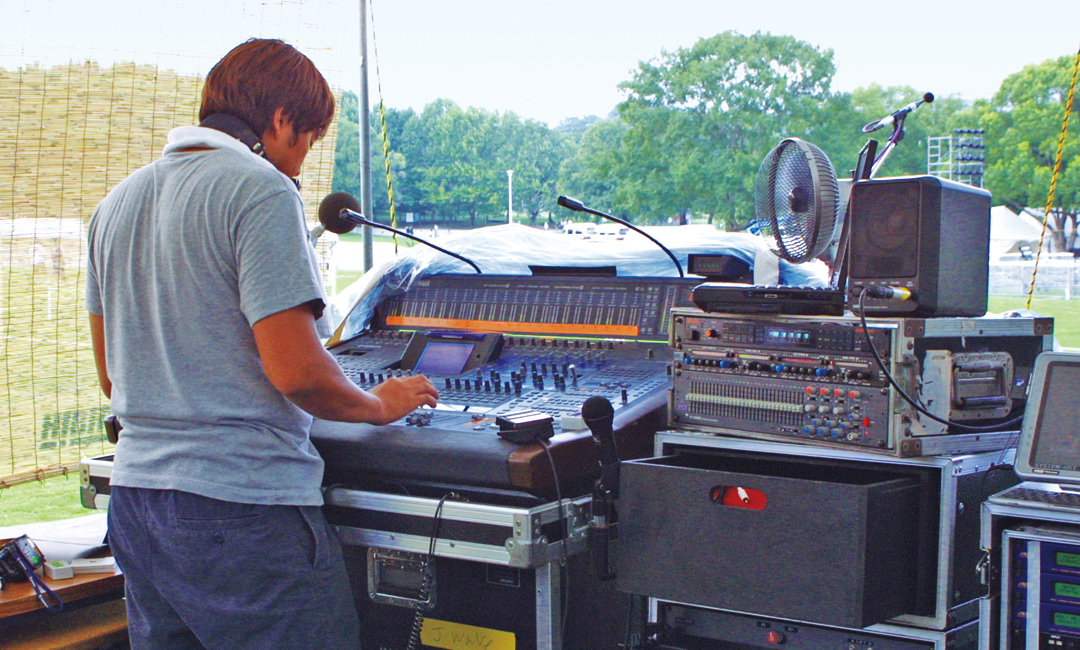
(863, 171)
(766, 267)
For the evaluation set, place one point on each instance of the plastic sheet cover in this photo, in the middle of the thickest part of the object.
(510, 249)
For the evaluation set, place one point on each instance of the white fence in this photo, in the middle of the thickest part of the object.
(1055, 277)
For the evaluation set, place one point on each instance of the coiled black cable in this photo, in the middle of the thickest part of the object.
(427, 576)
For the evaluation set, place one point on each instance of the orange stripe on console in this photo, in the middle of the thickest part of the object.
(504, 326)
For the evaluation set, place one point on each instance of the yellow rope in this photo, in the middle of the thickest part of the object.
(385, 135)
(1054, 175)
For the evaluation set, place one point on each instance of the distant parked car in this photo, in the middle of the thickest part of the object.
(611, 231)
(582, 230)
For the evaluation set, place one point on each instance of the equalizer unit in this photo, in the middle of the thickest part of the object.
(836, 381)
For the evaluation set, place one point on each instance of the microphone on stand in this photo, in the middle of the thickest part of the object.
(339, 213)
(578, 206)
(599, 416)
(898, 116)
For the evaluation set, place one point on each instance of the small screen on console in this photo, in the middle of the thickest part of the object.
(442, 358)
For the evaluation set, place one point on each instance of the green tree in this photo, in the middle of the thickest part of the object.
(457, 174)
(702, 118)
(403, 183)
(575, 127)
(448, 162)
(1026, 117)
(589, 174)
(534, 153)
(347, 176)
(347, 147)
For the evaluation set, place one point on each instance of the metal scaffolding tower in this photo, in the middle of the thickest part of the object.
(960, 157)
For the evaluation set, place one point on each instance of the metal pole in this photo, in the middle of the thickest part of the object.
(364, 110)
(510, 196)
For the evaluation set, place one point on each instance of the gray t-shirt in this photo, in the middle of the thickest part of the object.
(185, 256)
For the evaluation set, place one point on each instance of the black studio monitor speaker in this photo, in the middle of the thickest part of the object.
(920, 234)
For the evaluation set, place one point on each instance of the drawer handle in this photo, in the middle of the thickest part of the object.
(738, 497)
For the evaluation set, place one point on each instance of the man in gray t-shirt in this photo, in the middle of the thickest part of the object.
(204, 299)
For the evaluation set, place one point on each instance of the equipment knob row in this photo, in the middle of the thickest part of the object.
(576, 344)
(483, 385)
(713, 363)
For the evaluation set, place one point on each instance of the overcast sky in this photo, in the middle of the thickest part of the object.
(551, 59)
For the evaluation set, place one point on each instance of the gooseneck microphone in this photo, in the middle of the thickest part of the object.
(898, 116)
(330, 212)
(578, 206)
(339, 213)
(599, 416)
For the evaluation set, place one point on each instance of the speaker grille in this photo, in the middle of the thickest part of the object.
(885, 233)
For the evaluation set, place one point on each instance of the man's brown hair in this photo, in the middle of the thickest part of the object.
(261, 75)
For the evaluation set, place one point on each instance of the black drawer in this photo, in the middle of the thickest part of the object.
(819, 543)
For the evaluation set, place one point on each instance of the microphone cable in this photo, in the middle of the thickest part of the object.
(427, 577)
(563, 515)
(912, 401)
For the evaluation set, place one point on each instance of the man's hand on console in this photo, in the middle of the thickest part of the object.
(399, 396)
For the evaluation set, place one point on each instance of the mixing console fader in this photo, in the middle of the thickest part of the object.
(551, 375)
(496, 345)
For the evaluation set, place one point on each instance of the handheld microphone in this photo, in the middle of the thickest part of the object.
(339, 213)
(898, 116)
(578, 206)
(599, 416)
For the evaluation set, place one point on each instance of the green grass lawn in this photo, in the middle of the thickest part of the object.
(58, 498)
(1066, 314)
(345, 278)
(48, 500)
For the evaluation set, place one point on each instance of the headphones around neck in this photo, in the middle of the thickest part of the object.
(242, 131)
(238, 129)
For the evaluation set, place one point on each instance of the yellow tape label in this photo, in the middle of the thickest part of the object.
(457, 636)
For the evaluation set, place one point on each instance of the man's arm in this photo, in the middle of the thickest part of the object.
(298, 365)
(97, 337)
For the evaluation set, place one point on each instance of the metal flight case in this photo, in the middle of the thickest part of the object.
(726, 555)
(94, 487)
(496, 570)
(1032, 581)
(685, 627)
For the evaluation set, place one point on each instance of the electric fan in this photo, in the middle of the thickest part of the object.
(797, 211)
(797, 201)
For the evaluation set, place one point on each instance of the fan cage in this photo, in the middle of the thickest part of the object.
(796, 200)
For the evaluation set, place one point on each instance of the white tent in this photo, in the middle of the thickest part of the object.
(1008, 231)
(42, 228)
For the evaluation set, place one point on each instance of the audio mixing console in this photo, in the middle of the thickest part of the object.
(498, 345)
